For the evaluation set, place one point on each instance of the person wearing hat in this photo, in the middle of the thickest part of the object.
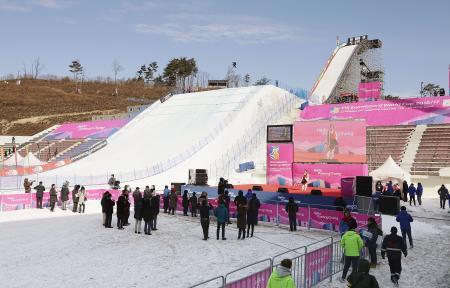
(65, 195)
(292, 209)
(281, 276)
(362, 278)
(352, 244)
(39, 194)
(194, 201)
(393, 245)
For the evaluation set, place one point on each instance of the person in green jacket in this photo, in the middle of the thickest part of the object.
(352, 244)
(281, 276)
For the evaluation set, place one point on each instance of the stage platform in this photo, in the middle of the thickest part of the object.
(331, 192)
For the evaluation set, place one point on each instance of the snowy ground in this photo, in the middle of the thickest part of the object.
(72, 250)
(64, 249)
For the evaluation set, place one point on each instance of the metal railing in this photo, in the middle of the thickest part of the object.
(311, 265)
(216, 282)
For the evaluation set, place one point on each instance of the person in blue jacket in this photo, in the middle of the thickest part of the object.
(405, 220)
(221, 213)
(412, 194)
(419, 192)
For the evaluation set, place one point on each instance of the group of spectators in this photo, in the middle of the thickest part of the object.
(79, 196)
(406, 191)
(146, 207)
(393, 246)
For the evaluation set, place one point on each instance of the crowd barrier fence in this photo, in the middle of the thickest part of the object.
(311, 265)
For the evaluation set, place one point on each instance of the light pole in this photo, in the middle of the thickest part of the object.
(421, 89)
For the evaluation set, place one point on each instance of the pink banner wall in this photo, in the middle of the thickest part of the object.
(256, 280)
(94, 129)
(318, 265)
(313, 141)
(279, 163)
(369, 91)
(414, 111)
(327, 175)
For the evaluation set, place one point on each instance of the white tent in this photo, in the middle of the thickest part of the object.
(444, 172)
(30, 160)
(11, 161)
(389, 171)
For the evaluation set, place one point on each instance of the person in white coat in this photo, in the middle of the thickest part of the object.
(81, 199)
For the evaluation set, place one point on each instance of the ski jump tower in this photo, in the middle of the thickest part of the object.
(357, 60)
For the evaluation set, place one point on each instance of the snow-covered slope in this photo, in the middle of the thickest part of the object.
(205, 130)
(332, 73)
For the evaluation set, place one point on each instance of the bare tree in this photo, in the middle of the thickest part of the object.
(36, 68)
(116, 67)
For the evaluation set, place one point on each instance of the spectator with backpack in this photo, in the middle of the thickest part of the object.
(352, 244)
(393, 245)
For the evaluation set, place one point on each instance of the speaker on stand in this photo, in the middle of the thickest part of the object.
(363, 186)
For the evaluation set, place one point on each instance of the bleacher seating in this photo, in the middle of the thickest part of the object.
(383, 141)
(434, 151)
(82, 146)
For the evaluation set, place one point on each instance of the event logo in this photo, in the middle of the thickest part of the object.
(334, 110)
(274, 153)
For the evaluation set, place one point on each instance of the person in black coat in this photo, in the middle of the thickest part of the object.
(405, 191)
(121, 214)
(193, 201)
(226, 199)
(138, 216)
(393, 245)
(221, 186)
(103, 203)
(147, 215)
(127, 208)
(109, 208)
(185, 203)
(205, 207)
(292, 209)
(240, 198)
(340, 203)
(155, 201)
(252, 214)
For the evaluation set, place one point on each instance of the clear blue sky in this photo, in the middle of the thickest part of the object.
(285, 40)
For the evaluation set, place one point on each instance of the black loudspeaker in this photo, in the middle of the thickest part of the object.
(283, 190)
(316, 192)
(389, 205)
(198, 177)
(257, 188)
(364, 186)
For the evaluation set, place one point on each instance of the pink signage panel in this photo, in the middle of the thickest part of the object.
(95, 129)
(327, 175)
(369, 91)
(413, 111)
(279, 163)
(256, 280)
(330, 141)
(318, 265)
